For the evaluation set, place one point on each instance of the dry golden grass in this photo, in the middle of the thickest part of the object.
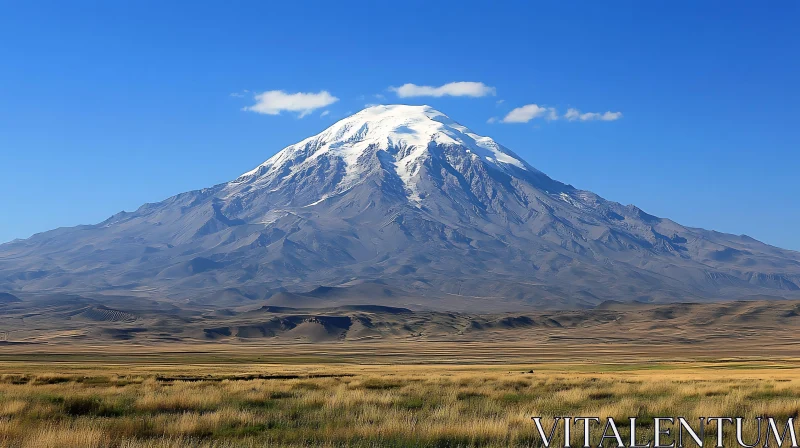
(366, 406)
(376, 393)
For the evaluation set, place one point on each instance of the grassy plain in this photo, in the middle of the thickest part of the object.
(373, 394)
(82, 377)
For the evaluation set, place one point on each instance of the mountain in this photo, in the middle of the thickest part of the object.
(402, 206)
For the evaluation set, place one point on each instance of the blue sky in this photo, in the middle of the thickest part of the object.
(108, 105)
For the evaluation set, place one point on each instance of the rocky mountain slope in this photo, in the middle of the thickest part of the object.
(402, 206)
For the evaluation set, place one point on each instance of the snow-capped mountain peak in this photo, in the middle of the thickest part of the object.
(406, 130)
(408, 199)
(404, 133)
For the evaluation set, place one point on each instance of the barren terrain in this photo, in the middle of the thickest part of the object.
(78, 374)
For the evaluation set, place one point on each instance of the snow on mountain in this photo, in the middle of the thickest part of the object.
(399, 205)
(405, 132)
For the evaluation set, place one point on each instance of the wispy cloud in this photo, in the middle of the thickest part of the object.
(274, 102)
(528, 112)
(324, 113)
(576, 115)
(492, 120)
(463, 88)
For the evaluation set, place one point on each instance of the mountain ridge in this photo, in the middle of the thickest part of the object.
(407, 197)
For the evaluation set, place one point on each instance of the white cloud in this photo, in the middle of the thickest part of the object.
(464, 88)
(611, 116)
(237, 95)
(324, 113)
(370, 105)
(499, 102)
(574, 114)
(274, 102)
(492, 120)
(529, 112)
(525, 114)
(380, 96)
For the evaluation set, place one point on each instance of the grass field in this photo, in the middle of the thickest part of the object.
(80, 398)
(447, 387)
